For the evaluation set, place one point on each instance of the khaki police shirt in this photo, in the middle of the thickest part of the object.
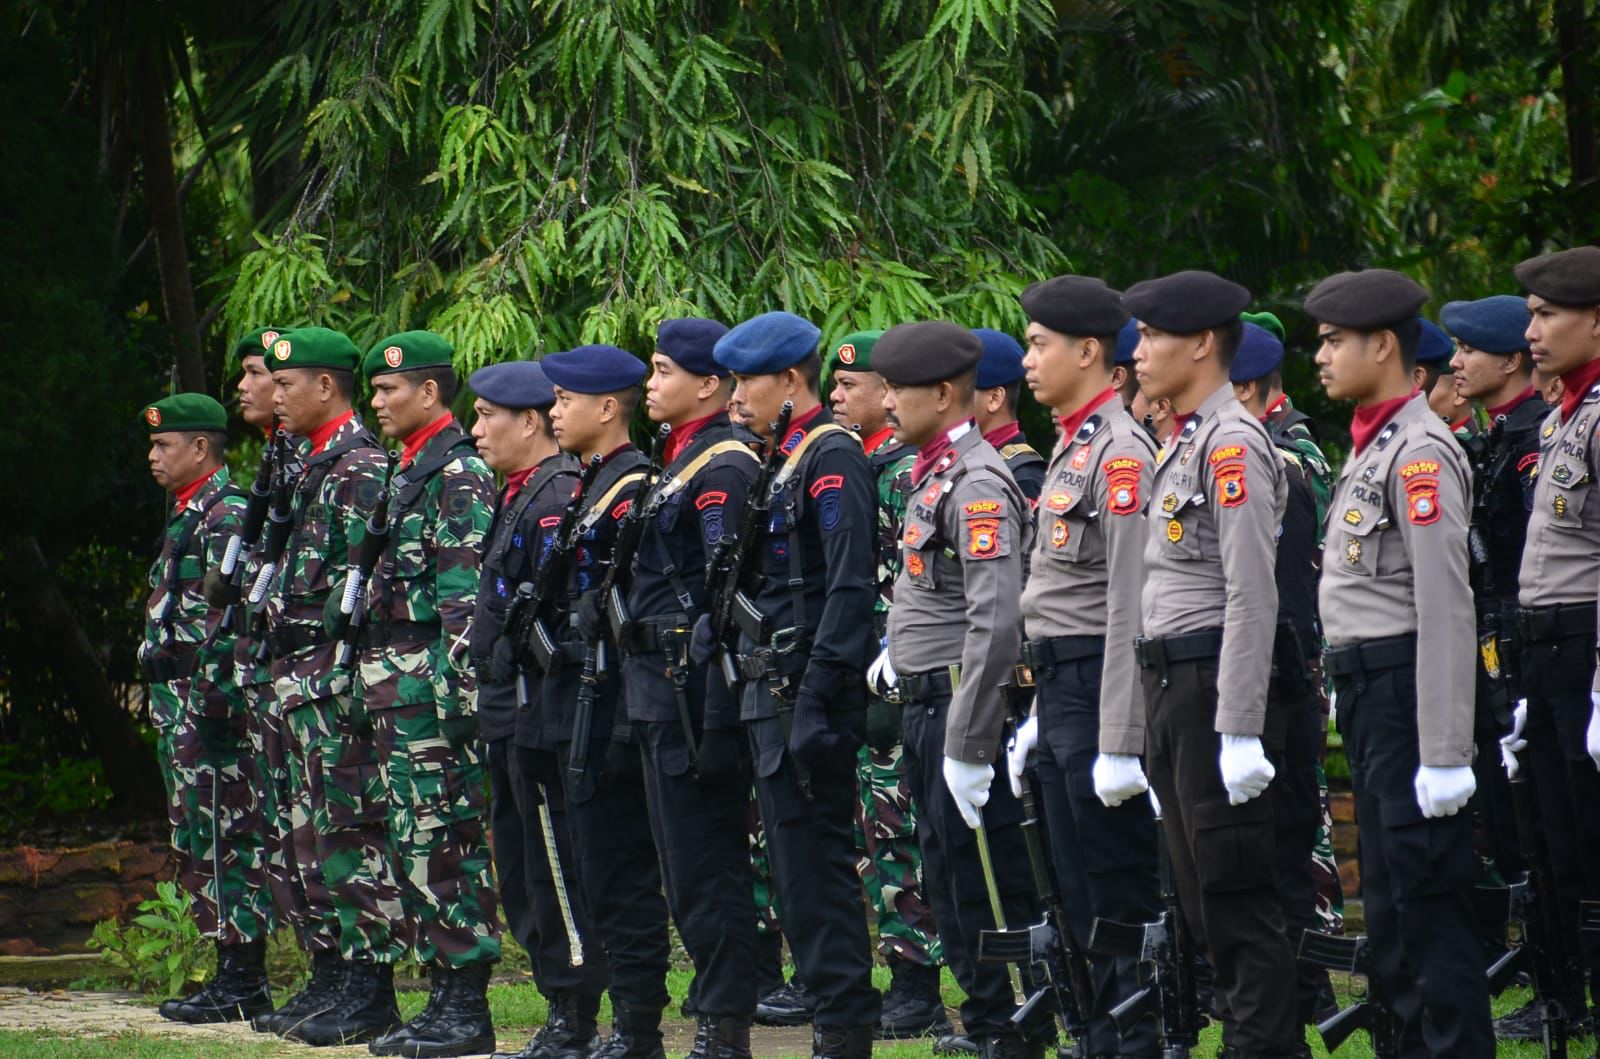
(1214, 512)
(1395, 563)
(1088, 559)
(1561, 561)
(957, 597)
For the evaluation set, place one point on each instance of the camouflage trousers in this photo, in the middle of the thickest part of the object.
(338, 818)
(889, 862)
(217, 833)
(768, 919)
(1324, 869)
(298, 891)
(438, 796)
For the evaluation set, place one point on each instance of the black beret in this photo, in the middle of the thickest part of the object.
(1188, 302)
(1567, 277)
(1496, 324)
(514, 384)
(1075, 305)
(922, 354)
(593, 369)
(1369, 300)
(689, 342)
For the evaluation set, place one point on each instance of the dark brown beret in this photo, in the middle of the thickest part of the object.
(1075, 305)
(1566, 277)
(922, 354)
(1186, 302)
(1369, 300)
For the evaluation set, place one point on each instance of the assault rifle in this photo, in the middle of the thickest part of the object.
(1166, 946)
(552, 572)
(1371, 1011)
(239, 545)
(353, 604)
(278, 520)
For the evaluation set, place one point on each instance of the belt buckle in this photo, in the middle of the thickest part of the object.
(1024, 675)
(786, 640)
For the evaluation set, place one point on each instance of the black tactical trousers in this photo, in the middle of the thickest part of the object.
(1556, 677)
(1105, 859)
(519, 778)
(953, 878)
(700, 833)
(1492, 800)
(1296, 814)
(620, 874)
(1222, 861)
(811, 849)
(1416, 875)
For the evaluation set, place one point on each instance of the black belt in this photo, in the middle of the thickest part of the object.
(383, 634)
(923, 687)
(645, 635)
(288, 639)
(1159, 652)
(1370, 656)
(785, 656)
(1044, 655)
(1562, 621)
(174, 663)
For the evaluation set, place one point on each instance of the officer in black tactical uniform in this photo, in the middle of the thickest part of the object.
(995, 405)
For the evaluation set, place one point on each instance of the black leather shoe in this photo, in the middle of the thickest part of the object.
(365, 1009)
(912, 1007)
(238, 992)
(635, 1034)
(324, 986)
(460, 1024)
(837, 1042)
(788, 1005)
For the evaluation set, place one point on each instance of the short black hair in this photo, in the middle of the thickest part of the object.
(1409, 334)
(965, 384)
(1108, 351)
(344, 382)
(541, 419)
(441, 375)
(1014, 397)
(1431, 374)
(810, 370)
(216, 440)
(1229, 335)
(627, 400)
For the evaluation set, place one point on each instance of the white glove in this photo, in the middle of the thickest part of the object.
(1443, 791)
(1021, 747)
(881, 675)
(1333, 709)
(1155, 803)
(969, 786)
(1513, 744)
(1118, 777)
(1592, 738)
(1245, 768)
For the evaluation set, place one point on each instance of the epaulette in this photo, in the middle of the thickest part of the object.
(1386, 435)
(1088, 429)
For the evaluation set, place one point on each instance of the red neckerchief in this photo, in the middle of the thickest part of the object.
(1071, 423)
(1283, 399)
(1506, 409)
(1179, 421)
(1578, 382)
(516, 480)
(614, 453)
(1004, 435)
(798, 428)
(320, 437)
(1369, 419)
(874, 442)
(419, 438)
(680, 437)
(929, 454)
(184, 494)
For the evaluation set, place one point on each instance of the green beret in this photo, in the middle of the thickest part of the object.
(853, 352)
(185, 411)
(408, 351)
(257, 343)
(1265, 321)
(314, 347)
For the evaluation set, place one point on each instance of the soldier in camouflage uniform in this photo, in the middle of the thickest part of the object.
(890, 863)
(195, 708)
(419, 692)
(339, 806)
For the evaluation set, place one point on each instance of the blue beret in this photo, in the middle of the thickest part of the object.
(1433, 345)
(1493, 325)
(1001, 364)
(688, 343)
(1127, 341)
(1259, 353)
(767, 344)
(514, 384)
(593, 369)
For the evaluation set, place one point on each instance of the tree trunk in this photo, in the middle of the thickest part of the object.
(62, 649)
(1578, 89)
(154, 141)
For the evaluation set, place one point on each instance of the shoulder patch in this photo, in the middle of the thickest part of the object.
(1225, 453)
(1422, 496)
(1122, 484)
(1416, 467)
(1531, 460)
(367, 490)
(709, 497)
(983, 538)
(982, 507)
(826, 483)
(1233, 488)
(621, 509)
(550, 522)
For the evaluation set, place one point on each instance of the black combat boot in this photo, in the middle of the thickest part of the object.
(836, 1042)
(635, 1034)
(721, 1037)
(327, 980)
(913, 1006)
(438, 985)
(568, 1029)
(1011, 1045)
(955, 1044)
(460, 1023)
(365, 1009)
(238, 991)
(788, 1005)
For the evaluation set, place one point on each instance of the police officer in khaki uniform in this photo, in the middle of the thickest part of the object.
(1559, 578)
(1394, 596)
(954, 635)
(1081, 609)
(1209, 603)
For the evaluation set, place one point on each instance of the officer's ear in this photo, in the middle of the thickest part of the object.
(610, 408)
